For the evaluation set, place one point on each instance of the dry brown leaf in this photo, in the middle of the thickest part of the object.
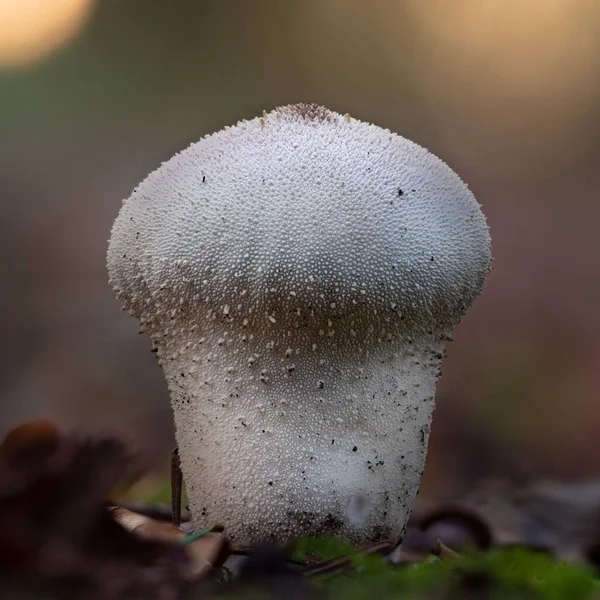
(443, 551)
(55, 532)
(146, 527)
(208, 552)
(205, 553)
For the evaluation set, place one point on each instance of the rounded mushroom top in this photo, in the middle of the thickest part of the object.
(302, 206)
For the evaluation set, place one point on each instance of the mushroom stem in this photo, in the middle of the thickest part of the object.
(281, 442)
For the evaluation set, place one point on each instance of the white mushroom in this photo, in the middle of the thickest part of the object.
(299, 275)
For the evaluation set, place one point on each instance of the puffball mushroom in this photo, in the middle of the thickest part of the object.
(299, 275)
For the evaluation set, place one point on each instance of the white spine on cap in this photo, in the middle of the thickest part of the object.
(299, 274)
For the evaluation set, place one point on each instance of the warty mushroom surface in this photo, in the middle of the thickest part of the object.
(299, 275)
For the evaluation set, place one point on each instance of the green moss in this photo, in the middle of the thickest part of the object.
(514, 574)
(322, 548)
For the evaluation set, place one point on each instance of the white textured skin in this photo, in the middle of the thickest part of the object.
(299, 303)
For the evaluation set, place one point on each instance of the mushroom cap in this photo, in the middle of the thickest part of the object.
(304, 205)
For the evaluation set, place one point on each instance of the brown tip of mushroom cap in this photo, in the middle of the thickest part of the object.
(309, 111)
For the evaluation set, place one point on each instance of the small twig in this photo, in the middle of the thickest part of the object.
(240, 550)
(200, 533)
(336, 565)
(176, 488)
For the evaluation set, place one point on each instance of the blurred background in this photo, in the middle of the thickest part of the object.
(95, 94)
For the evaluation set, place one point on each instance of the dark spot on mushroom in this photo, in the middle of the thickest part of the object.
(203, 178)
(354, 449)
(400, 192)
(379, 533)
(331, 524)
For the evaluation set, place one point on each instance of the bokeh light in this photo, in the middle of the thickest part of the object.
(510, 67)
(32, 29)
